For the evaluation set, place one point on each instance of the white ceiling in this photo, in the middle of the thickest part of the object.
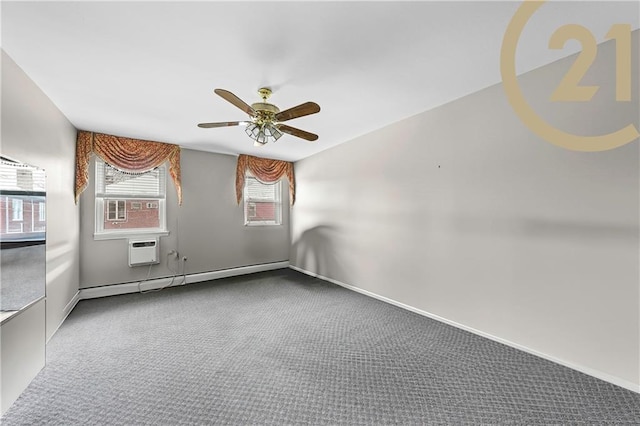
(148, 69)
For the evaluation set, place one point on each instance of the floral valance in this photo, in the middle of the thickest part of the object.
(127, 154)
(267, 171)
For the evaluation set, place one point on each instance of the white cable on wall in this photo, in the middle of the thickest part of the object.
(173, 278)
(181, 266)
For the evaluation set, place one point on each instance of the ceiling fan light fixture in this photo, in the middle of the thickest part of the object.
(252, 130)
(273, 131)
(263, 133)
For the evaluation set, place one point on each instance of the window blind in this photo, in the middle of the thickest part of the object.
(114, 183)
(258, 191)
(21, 177)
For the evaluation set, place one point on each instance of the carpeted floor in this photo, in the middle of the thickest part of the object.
(283, 348)
(23, 276)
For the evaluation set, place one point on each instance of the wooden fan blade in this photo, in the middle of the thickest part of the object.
(298, 111)
(222, 124)
(230, 97)
(297, 132)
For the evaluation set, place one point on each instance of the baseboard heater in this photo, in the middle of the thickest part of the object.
(155, 283)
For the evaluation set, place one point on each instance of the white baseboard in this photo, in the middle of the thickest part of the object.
(154, 284)
(66, 311)
(586, 370)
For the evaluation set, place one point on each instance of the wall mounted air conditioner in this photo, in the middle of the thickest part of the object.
(143, 252)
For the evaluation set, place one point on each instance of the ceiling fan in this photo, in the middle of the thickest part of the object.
(266, 120)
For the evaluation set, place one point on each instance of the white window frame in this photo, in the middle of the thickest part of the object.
(248, 220)
(106, 234)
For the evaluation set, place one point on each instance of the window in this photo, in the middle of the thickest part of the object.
(263, 202)
(116, 210)
(121, 198)
(16, 210)
(22, 193)
(42, 212)
(251, 210)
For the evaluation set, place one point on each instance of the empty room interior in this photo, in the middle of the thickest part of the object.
(320, 212)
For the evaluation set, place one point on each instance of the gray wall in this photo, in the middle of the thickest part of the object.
(34, 131)
(463, 213)
(22, 350)
(208, 228)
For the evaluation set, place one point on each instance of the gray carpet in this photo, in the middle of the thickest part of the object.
(23, 276)
(283, 348)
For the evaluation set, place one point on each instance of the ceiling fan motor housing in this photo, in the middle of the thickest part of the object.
(265, 112)
(265, 107)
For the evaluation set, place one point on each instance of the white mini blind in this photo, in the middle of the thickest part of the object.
(114, 183)
(258, 191)
(21, 177)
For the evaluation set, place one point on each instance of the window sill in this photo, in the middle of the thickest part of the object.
(126, 234)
